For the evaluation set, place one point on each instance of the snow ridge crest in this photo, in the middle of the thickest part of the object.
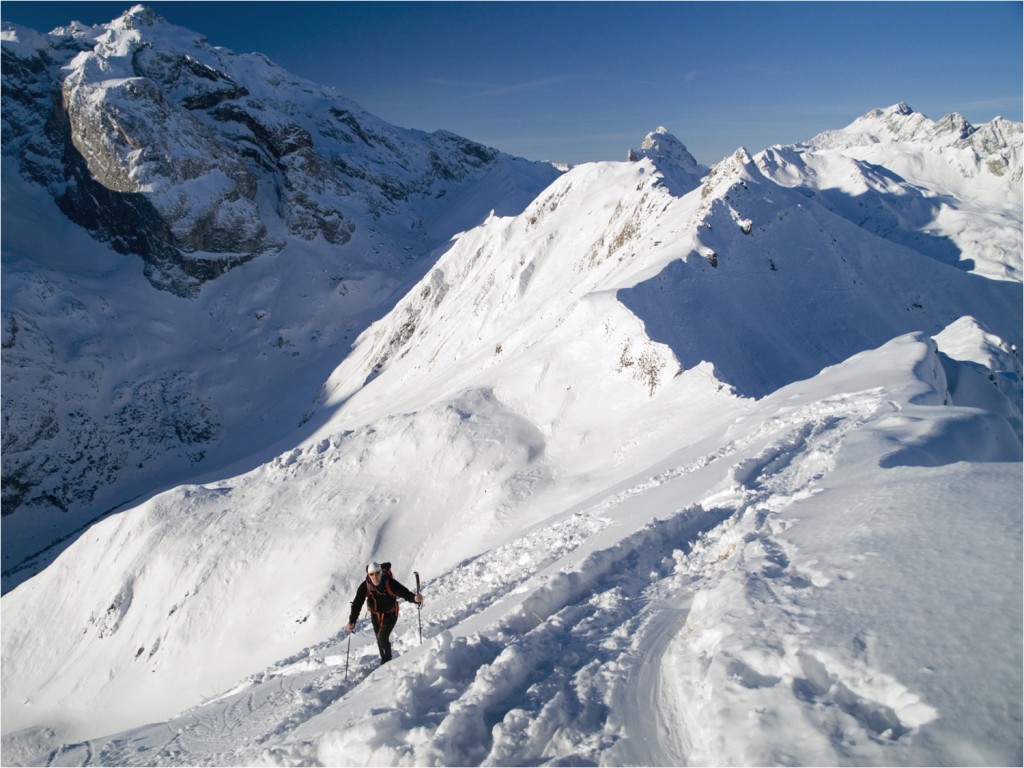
(900, 123)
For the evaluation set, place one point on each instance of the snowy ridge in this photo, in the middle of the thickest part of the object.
(898, 123)
(965, 182)
(996, 144)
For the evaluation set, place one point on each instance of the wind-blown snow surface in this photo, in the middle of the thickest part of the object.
(698, 468)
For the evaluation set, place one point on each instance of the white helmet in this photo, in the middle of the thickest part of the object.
(373, 567)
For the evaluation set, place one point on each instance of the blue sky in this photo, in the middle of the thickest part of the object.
(584, 81)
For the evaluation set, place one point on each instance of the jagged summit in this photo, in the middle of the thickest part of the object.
(680, 169)
(896, 123)
(661, 143)
(139, 15)
(902, 108)
(900, 123)
(991, 151)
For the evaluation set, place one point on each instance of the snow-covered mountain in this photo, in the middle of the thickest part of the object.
(944, 188)
(199, 159)
(195, 163)
(700, 466)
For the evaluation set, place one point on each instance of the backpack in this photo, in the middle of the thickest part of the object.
(385, 581)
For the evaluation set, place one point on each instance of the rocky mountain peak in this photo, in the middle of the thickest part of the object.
(737, 166)
(897, 123)
(139, 16)
(671, 157)
(992, 148)
(204, 165)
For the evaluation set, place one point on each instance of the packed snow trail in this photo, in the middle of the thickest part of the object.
(655, 738)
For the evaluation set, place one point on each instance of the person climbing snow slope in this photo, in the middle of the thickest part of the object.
(380, 591)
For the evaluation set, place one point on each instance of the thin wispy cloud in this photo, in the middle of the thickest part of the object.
(501, 89)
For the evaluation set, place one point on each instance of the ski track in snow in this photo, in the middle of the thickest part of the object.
(576, 672)
(655, 742)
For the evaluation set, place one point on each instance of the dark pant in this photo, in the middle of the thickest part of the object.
(383, 623)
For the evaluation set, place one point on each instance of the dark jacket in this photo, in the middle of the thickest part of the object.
(382, 599)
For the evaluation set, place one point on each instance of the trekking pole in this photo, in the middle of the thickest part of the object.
(419, 605)
(347, 649)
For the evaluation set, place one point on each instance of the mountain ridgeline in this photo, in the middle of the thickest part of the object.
(185, 161)
(197, 160)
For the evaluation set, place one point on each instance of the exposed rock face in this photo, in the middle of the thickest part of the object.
(671, 157)
(197, 159)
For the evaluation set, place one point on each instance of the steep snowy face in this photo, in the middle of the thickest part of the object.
(272, 219)
(766, 282)
(776, 286)
(528, 285)
(198, 159)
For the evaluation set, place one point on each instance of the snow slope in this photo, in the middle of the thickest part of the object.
(789, 589)
(571, 509)
(698, 466)
(946, 188)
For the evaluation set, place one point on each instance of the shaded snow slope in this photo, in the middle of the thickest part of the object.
(277, 218)
(946, 188)
(750, 276)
